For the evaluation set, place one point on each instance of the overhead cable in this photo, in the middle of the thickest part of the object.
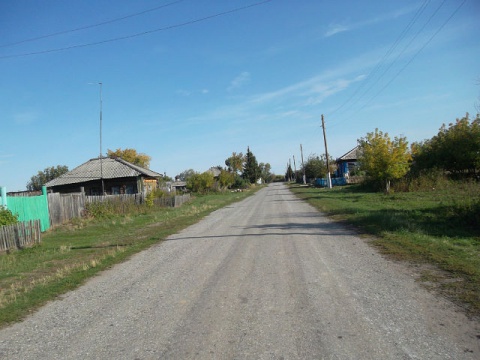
(412, 58)
(385, 56)
(404, 49)
(415, 55)
(91, 26)
(186, 23)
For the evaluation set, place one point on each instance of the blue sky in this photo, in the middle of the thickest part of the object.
(189, 82)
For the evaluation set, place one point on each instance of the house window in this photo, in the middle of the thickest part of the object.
(115, 190)
(129, 189)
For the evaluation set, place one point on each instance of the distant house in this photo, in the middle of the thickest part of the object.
(347, 163)
(215, 171)
(118, 177)
(177, 186)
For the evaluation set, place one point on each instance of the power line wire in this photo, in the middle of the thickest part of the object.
(404, 49)
(139, 34)
(91, 26)
(385, 56)
(412, 58)
(415, 55)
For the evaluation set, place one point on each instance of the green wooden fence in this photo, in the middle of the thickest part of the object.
(28, 207)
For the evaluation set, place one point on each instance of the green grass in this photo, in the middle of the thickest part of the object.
(72, 253)
(438, 230)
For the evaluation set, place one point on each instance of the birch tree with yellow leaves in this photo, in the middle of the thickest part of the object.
(384, 159)
(132, 156)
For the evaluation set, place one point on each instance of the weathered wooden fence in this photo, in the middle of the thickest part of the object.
(64, 207)
(20, 235)
(166, 201)
(179, 200)
(136, 198)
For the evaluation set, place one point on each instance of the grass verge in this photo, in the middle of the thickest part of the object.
(72, 253)
(437, 230)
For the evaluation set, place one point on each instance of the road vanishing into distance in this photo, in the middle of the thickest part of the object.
(266, 278)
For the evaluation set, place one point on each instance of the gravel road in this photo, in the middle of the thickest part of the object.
(266, 278)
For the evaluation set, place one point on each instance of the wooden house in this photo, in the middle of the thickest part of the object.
(347, 163)
(215, 171)
(113, 175)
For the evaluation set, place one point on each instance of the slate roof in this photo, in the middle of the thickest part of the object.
(215, 171)
(108, 168)
(349, 156)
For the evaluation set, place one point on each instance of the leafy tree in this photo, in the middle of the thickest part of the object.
(265, 173)
(316, 166)
(455, 149)
(251, 170)
(184, 175)
(37, 181)
(240, 182)
(226, 179)
(384, 159)
(289, 174)
(132, 156)
(201, 183)
(235, 162)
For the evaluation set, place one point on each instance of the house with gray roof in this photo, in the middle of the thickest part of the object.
(347, 163)
(215, 171)
(113, 175)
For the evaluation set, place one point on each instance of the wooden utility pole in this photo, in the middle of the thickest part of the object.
(329, 181)
(303, 166)
(295, 167)
(290, 169)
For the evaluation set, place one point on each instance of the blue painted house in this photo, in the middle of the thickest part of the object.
(347, 163)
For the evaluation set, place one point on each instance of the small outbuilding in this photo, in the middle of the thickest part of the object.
(110, 176)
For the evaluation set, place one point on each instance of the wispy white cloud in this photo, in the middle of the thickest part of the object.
(183, 92)
(335, 28)
(239, 81)
(319, 92)
(5, 158)
(25, 118)
(291, 102)
(310, 91)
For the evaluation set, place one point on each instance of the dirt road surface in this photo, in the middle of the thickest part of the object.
(266, 278)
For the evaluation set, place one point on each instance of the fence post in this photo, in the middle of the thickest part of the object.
(17, 237)
(3, 192)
